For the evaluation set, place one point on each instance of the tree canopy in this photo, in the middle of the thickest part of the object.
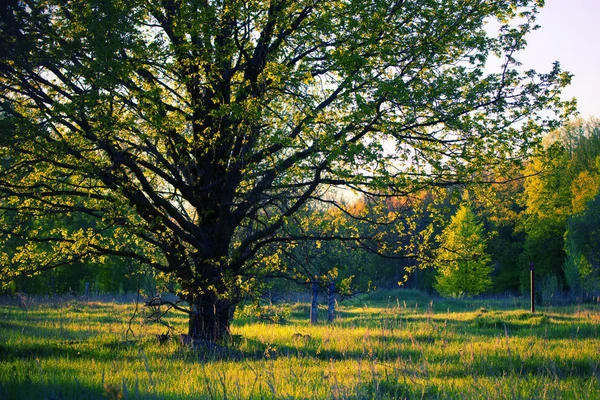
(189, 132)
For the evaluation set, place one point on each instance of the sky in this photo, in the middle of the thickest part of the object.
(570, 34)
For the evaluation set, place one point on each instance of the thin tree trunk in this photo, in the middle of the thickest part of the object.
(331, 304)
(314, 307)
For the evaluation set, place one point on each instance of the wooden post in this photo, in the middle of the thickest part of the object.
(532, 279)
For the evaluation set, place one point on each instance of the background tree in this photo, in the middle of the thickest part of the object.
(190, 132)
(463, 265)
(547, 205)
(565, 179)
(318, 255)
(500, 212)
(341, 250)
(582, 236)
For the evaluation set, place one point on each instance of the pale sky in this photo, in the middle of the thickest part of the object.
(569, 33)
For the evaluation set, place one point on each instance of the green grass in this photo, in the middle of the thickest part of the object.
(395, 344)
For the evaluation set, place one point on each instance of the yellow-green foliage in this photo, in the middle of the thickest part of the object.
(399, 344)
(463, 265)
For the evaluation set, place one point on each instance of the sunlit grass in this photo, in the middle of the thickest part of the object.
(399, 344)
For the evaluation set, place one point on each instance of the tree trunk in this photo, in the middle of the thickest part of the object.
(331, 304)
(314, 307)
(210, 318)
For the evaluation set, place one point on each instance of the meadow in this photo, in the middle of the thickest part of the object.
(388, 344)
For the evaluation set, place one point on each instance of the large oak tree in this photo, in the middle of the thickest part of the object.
(190, 131)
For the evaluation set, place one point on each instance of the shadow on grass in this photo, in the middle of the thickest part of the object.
(59, 332)
(21, 387)
(101, 350)
(254, 350)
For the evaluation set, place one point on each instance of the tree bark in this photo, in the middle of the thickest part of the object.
(331, 304)
(314, 307)
(210, 318)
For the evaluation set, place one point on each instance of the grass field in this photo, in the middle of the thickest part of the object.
(399, 344)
